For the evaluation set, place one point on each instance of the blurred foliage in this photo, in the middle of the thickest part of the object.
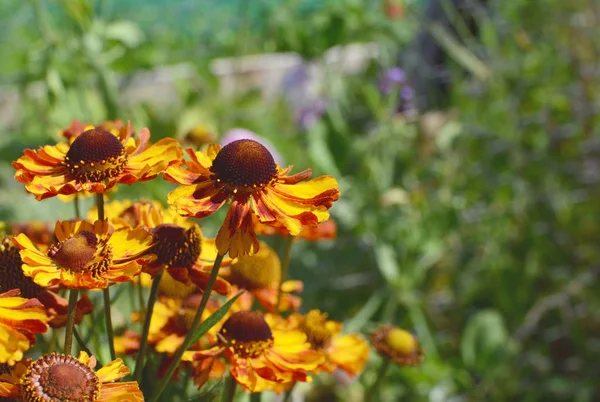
(476, 226)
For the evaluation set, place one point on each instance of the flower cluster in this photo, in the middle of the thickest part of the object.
(209, 306)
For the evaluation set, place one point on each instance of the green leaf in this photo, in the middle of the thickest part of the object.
(485, 340)
(214, 318)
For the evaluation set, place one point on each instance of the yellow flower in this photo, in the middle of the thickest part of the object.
(87, 256)
(260, 274)
(245, 173)
(348, 352)
(12, 277)
(59, 377)
(326, 230)
(398, 345)
(94, 160)
(20, 319)
(262, 357)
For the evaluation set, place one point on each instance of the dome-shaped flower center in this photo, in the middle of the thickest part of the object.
(244, 165)
(401, 341)
(76, 252)
(95, 155)
(176, 246)
(248, 333)
(169, 287)
(58, 377)
(315, 325)
(11, 274)
(257, 271)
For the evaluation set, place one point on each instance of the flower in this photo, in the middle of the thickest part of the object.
(236, 134)
(20, 319)
(200, 135)
(260, 274)
(12, 277)
(94, 161)
(262, 357)
(326, 230)
(59, 377)
(245, 173)
(398, 345)
(348, 352)
(39, 232)
(87, 256)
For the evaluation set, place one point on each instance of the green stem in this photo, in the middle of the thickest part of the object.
(288, 393)
(139, 363)
(285, 263)
(81, 343)
(188, 339)
(70, 321)
(255, 397)
(109, 327)
(229, 389)
(372, 394)
(106, 291)
(140, 292)
(77, 207)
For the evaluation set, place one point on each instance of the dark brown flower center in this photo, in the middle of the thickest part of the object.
(11, 274)
(57, 377)
(315, 327)
(244, 165)
(95, 155)
(176, 246)
(76, 252)
(248, 333)
(257, 271)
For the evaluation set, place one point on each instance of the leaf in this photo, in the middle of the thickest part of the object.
(485, 340)
(125, 32)
(213, 319)
(386, 262)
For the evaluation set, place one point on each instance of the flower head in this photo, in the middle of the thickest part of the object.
(20, 319)
(59, 377)
(86, 256)
(398, 345)
(262, 357)
(94, 160)
(260, 274)
(348, 352)
(12, 277)
(245, 173)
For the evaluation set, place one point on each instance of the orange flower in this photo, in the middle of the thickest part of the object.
(39, 232)
(398, 345)
(326, 230)
(12, 277)
(262, 357)
(59, 377)
(260, 274)
(245, 173)
(94, 161)
(20, 319)
(348, 352)
(87, 256)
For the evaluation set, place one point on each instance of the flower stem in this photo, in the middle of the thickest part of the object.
(285, 263)
(139, 363)
(372, 393)
(70, 321)
(106, 291)
(188, 339)
(81, 343)
(77, 207)
(255, 397)
(229, 389)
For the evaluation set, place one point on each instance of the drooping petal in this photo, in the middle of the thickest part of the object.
(120, 392)
(198, 200)
(236, 235)
(112, 371)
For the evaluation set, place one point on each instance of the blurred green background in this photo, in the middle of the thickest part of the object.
(473, 223)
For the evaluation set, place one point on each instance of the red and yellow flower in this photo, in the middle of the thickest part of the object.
(262, 357)
(94, 161)
(260, 274)
(348, 352)
(59, 377)
(87, 256)
(245, 173)
(326, 230)
(20, 319)
(397, 344)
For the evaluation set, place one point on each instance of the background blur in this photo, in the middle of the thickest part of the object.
(465, 136)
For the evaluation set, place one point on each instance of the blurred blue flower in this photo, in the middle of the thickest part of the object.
(392, 79)
(244, 134)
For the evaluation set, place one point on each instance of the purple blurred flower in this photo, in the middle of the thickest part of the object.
(393, 78)
(243, 134)
(307, 116)
(302, 90)
(394, 81)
